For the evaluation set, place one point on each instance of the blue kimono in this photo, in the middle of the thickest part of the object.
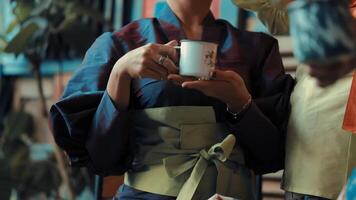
(93, 133)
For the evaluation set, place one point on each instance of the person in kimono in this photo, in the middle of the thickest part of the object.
(320, 146)
(128, 111)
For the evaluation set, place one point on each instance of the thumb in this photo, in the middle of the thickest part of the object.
(197, 85)
(228, 75)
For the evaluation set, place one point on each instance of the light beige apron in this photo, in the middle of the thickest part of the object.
(319, 153)
(183, 152)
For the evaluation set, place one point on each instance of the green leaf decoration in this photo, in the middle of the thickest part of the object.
(41, 7)
(23, 10)
(39, 176)
(17, 123)
(69, 19)
(20, 42)
(14, 23)
(3, 43)
(83, 10)
(18, 158)
(61, 18)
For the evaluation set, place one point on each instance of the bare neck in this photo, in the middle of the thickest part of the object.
(191, 13)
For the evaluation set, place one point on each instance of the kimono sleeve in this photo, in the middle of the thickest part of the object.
(262, 128)
(85, 122)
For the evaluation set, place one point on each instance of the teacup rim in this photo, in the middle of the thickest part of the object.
(197, 41)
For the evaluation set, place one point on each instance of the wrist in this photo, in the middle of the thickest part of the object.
(236, 114)
(236, 106)
(118, 87)
(120, 71)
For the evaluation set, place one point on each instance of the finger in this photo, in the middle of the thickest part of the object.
(178, 79)
(167, 64)
(172, 43)
(220, 75)
(170, 51)
(202, 86)
(158, 68)
(149, 73)
(171, 67)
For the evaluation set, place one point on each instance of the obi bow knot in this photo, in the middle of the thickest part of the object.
(197, 163)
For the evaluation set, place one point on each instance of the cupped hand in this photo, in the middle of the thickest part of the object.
(227, 86)
(149, 61)
(144, 62)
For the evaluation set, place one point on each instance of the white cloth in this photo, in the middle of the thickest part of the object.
(319, 153)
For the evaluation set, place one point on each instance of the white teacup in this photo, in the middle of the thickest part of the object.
(197, 58)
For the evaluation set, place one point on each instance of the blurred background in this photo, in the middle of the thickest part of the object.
(42, 43)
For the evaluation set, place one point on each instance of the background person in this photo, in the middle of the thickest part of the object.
(274, 16)
(320, 155)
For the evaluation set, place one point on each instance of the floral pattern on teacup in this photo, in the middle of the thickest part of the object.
(209, 58)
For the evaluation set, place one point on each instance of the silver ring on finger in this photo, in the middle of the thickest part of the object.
(161, 60)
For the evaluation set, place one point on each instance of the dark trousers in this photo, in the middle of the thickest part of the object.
(296, 196)
(128, 193)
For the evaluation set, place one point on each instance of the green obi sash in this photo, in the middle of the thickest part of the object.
(183, 152)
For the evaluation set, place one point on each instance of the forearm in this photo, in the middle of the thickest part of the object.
(118, 87)
(261, 140)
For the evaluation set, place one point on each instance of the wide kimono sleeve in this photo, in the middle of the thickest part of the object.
(85, 122)
(262, 128)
